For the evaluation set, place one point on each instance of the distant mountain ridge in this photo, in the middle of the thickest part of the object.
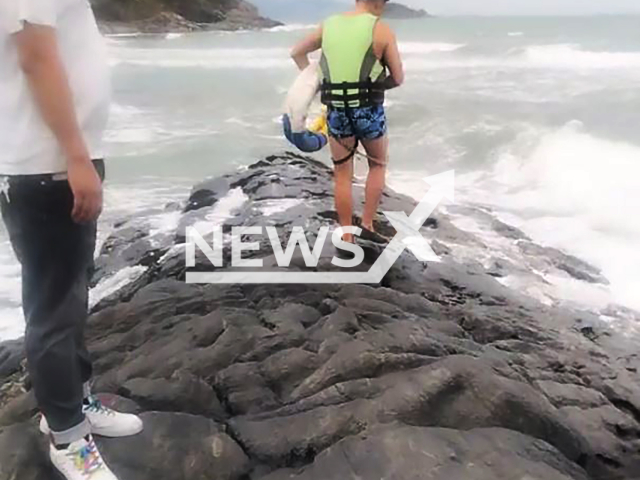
(300, 11)
(315, 11)
(399, 11)
(158, 16)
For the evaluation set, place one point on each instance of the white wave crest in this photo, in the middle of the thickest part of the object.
(573, 56)
(554, 57)
(239, 58)
(294, 27)
(216, 58)
(123, 35)
(11, 317)
(577, 192)
(12, 323)
(115, 282)
(222, 211)
(427, 48)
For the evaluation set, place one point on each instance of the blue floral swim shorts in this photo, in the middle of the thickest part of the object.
(369, 123)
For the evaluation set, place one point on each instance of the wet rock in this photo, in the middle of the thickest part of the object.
(409, 452)
(24, 453)
(604, 428)
(439, 368)
(571, 265)
(568, 395)
(183, 392)
(207, 194)
(176, 446)
(11, 356)
(19, 409)
(172, 446)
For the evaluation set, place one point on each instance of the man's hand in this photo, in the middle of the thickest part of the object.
(87, 191)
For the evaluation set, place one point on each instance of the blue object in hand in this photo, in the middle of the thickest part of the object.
(305, 141)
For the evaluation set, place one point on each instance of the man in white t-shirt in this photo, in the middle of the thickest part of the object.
(54, 104)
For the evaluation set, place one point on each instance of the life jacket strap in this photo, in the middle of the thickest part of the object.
(340, 94)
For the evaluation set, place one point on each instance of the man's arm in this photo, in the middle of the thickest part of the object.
(44, 70)
(391, 57)
(300, 53)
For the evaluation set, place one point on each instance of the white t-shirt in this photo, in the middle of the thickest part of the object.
(27, 145)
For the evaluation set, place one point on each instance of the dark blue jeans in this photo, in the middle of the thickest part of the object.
(56, 255)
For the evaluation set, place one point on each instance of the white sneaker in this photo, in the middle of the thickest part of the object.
(81, 461)
(104, 421)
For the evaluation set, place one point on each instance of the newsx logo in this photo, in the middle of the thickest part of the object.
(298, 238)
(408, 237)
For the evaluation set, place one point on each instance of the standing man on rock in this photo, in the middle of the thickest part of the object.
(54, 105)
(357, 50)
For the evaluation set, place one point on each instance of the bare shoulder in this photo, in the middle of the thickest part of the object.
(317, 33)
(384, 32)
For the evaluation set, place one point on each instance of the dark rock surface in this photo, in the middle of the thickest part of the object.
(163, 22)
(413, 453)
(11, 354)
(439, 372)
(163, 16)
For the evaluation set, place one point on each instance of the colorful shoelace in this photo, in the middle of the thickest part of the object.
(87, 459)
(95, 405)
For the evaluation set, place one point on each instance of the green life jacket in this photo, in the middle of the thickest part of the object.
(352, 73)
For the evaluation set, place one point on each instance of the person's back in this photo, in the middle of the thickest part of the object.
(348, 54)
(358, 50)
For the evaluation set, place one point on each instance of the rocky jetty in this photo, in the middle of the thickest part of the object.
(440, 371)
(402, 12)
(163, 16)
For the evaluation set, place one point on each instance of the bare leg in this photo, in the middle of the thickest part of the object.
(343, 179)
(376, 180)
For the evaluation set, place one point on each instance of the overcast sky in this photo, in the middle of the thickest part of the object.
(525, 7)
(488, 7)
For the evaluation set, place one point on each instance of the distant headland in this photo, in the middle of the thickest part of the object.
(399, 11)
(160, 16)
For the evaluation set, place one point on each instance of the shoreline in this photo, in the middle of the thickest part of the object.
(167, 22)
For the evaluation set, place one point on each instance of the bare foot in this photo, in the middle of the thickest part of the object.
(348, 237)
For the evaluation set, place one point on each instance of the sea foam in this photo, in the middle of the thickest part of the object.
(574, 191)
(574, 56)
(429, 47)
(293, 27)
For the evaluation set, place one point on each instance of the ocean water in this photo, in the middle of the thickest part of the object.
(538, 116)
